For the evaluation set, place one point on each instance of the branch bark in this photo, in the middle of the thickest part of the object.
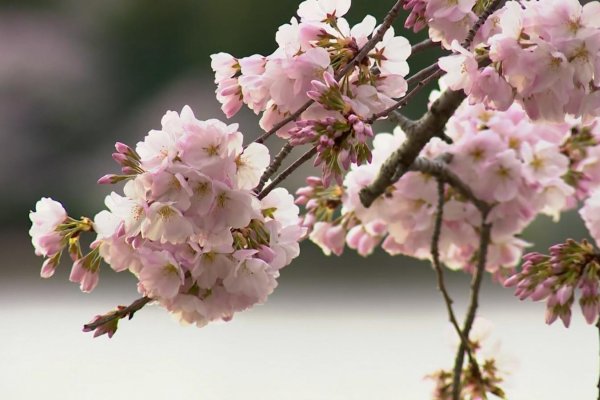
(484, 241)
(118, 314)
(295, 165)
(427, 127)
(437, 265)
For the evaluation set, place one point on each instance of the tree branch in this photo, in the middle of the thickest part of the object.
(364, 51)
(423, 45)
(274, 166)
(428, 126)
(480, 21)
(484, 241)
(295, 165)
(120, 313)
(598, 326)
(437, 265)
(439, 169)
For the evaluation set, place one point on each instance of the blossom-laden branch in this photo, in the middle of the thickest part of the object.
(364, 52)
(427, 127)
(108, 323)
(438, 168)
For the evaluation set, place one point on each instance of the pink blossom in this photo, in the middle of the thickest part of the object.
(45, 236)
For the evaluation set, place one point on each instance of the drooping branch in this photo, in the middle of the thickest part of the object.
(120, 313)
(437, 265)
(484, 241)
(364, 51)
(427, 127)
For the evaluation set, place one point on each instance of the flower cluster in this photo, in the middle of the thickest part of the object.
(557, 276)
(188, 226)
(312, 63)
(544, 55)
(521, 168)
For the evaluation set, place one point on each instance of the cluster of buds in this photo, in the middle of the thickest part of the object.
(555, 277)
(340, 138)
(128, 159)
(321, 202)
(52, 231)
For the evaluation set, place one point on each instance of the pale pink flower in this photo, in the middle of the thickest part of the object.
(251, 164)
(461, 68)
(161, 275)
(322, 10)
(224, 65)
(45, 236)
(166, 224)
(252, 278)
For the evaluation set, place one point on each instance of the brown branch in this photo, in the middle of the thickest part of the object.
(480, 21)
(407, 97)
(295, 165)
(439, 169)
(437, 265)
(364, 51)
(598, 385)
(423, 45)
(484, 241)
(274, 166)
(121, 312)
(428, 126)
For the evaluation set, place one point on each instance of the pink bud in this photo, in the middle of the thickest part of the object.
(120, 158)
(540, 292)
(590, 308)
(564, 294)
(551, 315)
(565, 317)
(49, 266)
(122, 148)
(512, 281)
(107, 179)
(329, 79)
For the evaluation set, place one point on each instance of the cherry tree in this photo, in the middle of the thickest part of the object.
(513, 132)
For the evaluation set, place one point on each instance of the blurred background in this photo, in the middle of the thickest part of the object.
(76, 76)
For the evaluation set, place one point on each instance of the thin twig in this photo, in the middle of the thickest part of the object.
(437, 265)
(364, 51)
(598, 326)
(480, 21)
(423, 45)
(408, 96)
(295, 165)
(484, 241)
(118, 314)
(274, 166)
